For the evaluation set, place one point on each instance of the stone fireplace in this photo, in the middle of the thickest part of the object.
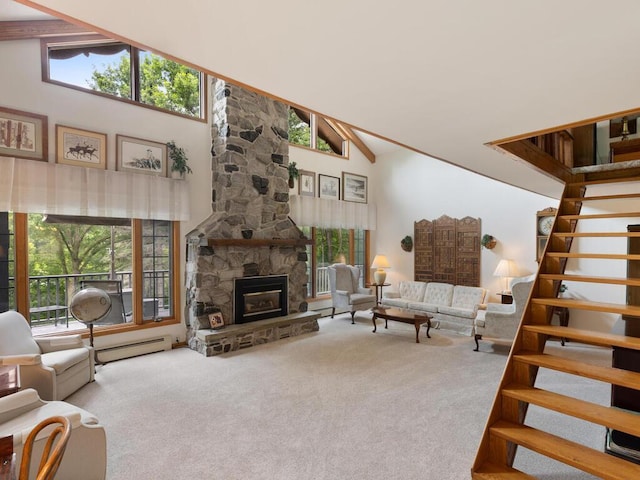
(249, 233)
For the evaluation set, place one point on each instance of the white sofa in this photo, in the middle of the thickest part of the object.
(85, 457)
(452, 307)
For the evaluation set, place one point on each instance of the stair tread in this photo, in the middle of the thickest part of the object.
(615, 376)
(596, 234)
(493, 471)
(600, 181)
(579, 456)
(591, 279)
(602, 197)
(585, 336)
(594, 216)
(578, 304)
(614, 418)
(604, 256)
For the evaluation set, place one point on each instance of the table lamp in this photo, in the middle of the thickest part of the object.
(380, 262)
(506, 269)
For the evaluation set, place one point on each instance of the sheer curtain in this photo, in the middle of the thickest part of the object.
(327, 213)
(29, 186)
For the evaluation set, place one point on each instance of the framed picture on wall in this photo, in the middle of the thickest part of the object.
(216, 320)
(328, 187)
(23, 134)
(307, 183)
(354, 187)
(81, 148)
(141, 156)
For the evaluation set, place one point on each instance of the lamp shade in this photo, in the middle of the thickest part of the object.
(506, 269)
(380, 262)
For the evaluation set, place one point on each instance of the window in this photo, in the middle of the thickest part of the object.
(125, 72)
(7, 263)
(62, 252)
(333, 246)
(307, 129)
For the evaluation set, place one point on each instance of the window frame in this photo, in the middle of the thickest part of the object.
(21, 279)
(314, 121)
(88, 40)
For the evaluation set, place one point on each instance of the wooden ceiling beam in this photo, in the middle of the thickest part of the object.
(27, 29)
(353, 137)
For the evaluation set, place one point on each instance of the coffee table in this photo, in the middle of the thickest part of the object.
(401, 315)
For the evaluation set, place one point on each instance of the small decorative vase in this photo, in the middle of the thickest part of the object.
(291, 182)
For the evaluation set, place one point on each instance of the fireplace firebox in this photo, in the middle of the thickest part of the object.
(258, 298)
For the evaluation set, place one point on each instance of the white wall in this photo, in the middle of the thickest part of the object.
(409, 187)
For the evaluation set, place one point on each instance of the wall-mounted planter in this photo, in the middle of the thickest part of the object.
(488, 242)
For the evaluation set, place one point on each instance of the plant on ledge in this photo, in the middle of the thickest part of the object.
(293, 173)
(179, 159)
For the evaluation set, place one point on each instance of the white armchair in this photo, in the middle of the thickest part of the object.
(502, 321)
(345, 292)
(55, 366)
(85, 457)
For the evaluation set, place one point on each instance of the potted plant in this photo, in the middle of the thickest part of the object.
(178, 156)
(488, 241)
(293, 173)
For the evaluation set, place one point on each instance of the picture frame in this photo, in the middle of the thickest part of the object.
(141, 156)
(216, 320)
(354, 187)
(328, 187)
(23, 134)
(82, 148)
(307, 183)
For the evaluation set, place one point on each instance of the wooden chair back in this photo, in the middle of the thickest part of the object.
(53, 450)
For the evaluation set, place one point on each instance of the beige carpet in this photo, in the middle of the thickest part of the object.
(342, 403)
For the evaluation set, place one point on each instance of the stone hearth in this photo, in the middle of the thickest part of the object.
(249, 232)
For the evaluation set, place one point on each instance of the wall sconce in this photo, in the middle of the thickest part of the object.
(506, 269)
(380, 262)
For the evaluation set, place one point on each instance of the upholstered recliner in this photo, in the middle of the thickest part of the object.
(345, 291)
(55, 366)
(502, 321)
(85, 457)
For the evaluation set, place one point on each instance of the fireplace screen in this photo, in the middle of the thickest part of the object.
(257, 298)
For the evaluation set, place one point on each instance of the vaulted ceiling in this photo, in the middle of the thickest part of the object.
(443, 77)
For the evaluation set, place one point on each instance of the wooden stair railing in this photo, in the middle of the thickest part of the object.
(505, 430)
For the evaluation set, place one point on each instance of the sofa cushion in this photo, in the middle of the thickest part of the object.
(411, 290)
(467, 297)
(425, 307)
(459, 312)
(438, 293)
(65, 359)
(395, 302)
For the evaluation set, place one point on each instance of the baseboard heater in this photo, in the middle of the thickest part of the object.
(133, 349)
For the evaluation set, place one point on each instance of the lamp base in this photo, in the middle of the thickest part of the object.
(379, 276)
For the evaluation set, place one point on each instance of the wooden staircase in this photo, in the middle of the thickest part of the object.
(506, 428)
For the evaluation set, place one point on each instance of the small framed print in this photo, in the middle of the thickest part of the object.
(216, 320)
(81, 148)
(141, 156)
(307, 183)
(23, 134)
(328, 187)
(354, 187)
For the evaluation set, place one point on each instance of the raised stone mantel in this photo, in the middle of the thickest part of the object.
(242, 335)
(258, 242)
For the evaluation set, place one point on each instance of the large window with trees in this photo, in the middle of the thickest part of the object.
(333, 245)
(122, 71)
(49, 257)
